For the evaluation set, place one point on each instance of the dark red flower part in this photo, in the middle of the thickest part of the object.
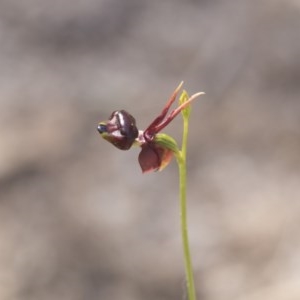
(160, 122)
(154, 157)
(120, 129)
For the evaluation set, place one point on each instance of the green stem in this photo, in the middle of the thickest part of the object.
(181, 161)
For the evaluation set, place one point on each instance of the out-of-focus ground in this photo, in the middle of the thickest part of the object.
(77, 218)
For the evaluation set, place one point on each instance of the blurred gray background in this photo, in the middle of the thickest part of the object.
(77, 218)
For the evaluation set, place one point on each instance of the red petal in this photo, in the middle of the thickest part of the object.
(154, 158)
(149, 159)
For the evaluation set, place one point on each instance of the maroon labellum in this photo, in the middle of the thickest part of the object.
(120, 129)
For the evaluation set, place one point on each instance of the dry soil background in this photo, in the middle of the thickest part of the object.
(77, 218)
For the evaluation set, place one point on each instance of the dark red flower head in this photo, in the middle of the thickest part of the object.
(157, 148)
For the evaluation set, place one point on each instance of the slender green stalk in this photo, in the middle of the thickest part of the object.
(181, 161)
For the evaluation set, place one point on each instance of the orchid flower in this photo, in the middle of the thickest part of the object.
(157, 149)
